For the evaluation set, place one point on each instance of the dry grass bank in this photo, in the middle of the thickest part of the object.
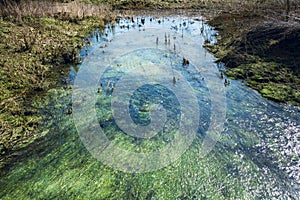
(72, 9)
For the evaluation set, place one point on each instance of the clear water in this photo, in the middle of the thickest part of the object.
(256, 155)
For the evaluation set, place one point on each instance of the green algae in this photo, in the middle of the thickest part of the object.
(69, 171)
(62, 167)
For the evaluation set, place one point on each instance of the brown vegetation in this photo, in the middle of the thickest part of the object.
(72, 9)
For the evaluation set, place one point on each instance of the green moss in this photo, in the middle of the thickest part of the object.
(270, 79)
(277, 92)
(69, 171)
(236, 73)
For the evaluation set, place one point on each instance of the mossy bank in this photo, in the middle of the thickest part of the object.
(262, 52)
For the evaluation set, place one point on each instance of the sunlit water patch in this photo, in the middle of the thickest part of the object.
(257, 155)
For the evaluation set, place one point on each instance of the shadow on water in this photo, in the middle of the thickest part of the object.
(256, 157)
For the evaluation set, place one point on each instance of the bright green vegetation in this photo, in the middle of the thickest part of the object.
(61, 167)
(64, 169)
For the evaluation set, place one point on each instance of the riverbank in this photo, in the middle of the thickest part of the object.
(35, 56)
(262, 50)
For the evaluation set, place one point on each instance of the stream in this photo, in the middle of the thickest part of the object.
(149, 117)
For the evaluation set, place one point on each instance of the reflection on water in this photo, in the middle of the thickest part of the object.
(257, 156)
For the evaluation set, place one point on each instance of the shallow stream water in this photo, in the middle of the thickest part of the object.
(230, 143)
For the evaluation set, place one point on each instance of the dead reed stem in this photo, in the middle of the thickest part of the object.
(73, 9)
